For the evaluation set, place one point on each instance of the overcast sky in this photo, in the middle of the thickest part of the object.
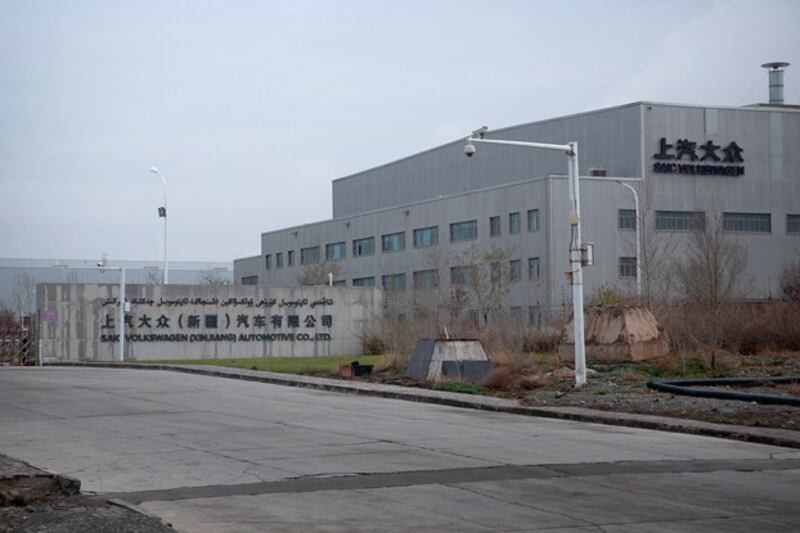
(251, 108)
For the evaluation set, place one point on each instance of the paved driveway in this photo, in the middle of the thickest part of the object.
(213, 454)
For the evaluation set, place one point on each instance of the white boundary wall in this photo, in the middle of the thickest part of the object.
(79, 321)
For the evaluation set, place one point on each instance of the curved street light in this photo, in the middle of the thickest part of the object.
(162, 212)
(638, 239)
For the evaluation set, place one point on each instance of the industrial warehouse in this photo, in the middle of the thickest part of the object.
(414, 224)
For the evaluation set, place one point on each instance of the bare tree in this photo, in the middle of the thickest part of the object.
(714, 267)
(154, 276)
(656, 262)
(790, 281)
(317, 273)
(486, 280)
(23, 300)
(214, 277)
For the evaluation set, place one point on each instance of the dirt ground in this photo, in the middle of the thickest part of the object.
(77, 513)
(623, 388)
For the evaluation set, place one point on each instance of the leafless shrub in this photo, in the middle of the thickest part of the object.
(213, 277)
(318, 273)
(790, 282)
(713, 269)
(739, 327)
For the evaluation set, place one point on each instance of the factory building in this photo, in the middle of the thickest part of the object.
(410, 224)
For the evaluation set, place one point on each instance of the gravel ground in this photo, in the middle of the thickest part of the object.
(90, 514)
(623, 388)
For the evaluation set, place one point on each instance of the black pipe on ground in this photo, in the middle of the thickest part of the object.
(684, 387)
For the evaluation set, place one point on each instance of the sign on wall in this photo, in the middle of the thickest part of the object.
(232, 320)
(201, 321)
(684, 156)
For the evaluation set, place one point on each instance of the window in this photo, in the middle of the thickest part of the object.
(279, 260)
(393, 242)
(534, 268)
(515, 270)
(792, 223)
(627, 267)
(425, 237)
(494, 226)
(267, 258)
(335, 251)
(533, 220)
(680, 220)
(426, 279)
(747, 222)
(535, 316)
(464, 231)
(516, 314)
(513, 223)
(309, 256)
(290, 258)
(462, 275)
(364, 282)
(394, 282)
(362, 247)
(250, 280)
(340, 283)
(626, 219)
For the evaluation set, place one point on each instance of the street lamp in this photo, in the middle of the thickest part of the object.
(162, 212)
(101, 266)
(638, 240)
(571, 151)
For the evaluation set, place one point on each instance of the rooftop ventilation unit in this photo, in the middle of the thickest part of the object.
(776, 69)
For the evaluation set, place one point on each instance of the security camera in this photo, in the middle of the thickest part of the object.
(480, 132)
(469, 149)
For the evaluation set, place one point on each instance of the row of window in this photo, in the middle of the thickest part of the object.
(692, 220)
(396, 242)
(459, 275)
(496, 228)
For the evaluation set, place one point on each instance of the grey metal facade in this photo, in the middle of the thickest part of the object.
(441, 186)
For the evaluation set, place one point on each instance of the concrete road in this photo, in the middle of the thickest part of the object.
(211, 454)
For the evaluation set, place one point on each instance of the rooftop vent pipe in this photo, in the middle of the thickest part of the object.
(775, 81)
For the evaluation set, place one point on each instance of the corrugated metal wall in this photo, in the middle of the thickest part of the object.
(608, 138)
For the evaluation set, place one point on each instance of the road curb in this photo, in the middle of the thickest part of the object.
(772, 436)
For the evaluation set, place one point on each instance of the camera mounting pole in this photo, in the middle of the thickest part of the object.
(574, 219)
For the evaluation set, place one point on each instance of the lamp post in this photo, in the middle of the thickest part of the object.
(574, 219)
(122, 307)
(162, 212)
(638, 240)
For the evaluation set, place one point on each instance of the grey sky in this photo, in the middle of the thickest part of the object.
(251, 108)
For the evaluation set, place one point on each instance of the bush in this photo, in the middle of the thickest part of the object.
(741, 327)
(790, 282)
(606, 295)
(372, 344)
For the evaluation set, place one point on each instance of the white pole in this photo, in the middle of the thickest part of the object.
(154, 170)
(122, 314)
(638, 240)
(577, 267)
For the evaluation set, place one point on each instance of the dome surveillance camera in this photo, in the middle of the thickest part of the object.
(469, 150)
